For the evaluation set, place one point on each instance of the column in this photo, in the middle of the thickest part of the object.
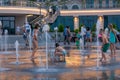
(100, 22)
(76, 23)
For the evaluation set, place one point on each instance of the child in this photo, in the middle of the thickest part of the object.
(60, 51)
(25, 38)
(35, 41)
(105, 45)
(77, 40)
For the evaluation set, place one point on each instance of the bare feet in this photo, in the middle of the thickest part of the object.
(102, 61)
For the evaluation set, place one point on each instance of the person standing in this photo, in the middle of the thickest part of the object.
(35, 40)
(28, 32)
(88, 38)
(83, 33)
(65, 35)
(112, 39)
(68, 35)
(27, 27)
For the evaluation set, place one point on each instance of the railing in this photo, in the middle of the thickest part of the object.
(18, 3)
(36, 19)
(95, 6)
(53, 17)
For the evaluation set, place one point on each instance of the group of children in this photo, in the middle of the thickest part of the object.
(107, 42)
(86, 38)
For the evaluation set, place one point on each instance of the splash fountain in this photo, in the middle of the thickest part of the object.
(1, 38)
(98, 27)
(1, 41)
(4, 43)
(17, 54)
(82, 51)
(56, 29)
(6, 38)
(97, 44)
(30, 41)
(82, 45)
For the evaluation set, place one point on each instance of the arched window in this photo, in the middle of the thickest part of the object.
(75, 7)
(64, 7)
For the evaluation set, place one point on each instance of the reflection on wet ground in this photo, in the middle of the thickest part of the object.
(76, 67)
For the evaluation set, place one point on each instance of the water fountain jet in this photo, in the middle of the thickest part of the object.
(17, 62)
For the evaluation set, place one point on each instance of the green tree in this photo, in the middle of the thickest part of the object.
(76, 31)
(115, 27)
(60, 28)
(93, 29)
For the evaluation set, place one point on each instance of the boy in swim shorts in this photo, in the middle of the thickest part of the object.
(105, 45)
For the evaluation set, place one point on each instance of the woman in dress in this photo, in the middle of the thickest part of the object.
(112, 39)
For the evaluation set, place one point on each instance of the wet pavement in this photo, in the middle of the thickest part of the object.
(76, 67)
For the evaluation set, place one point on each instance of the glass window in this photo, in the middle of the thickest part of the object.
(6, 18)
(12, 24)
(0, 18)
(107, 5)
(75, 7)
(6, 24)
(100, 3)
(89, 3)
(12, 18)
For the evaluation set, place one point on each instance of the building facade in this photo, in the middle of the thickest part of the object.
(72, 13)
(89, 20)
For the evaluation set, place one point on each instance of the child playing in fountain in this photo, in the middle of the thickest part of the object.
(77, 40)
(35, 41)
(59, 51)
(105, 45)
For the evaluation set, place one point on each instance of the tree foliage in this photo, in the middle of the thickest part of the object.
(60, 28)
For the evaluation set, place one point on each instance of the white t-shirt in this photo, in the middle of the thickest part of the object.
(27, 26)
(83, 31)
(18, 29)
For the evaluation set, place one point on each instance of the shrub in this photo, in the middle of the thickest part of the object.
(115, 27)
(93, 29)
(76, 30)
(60, 28)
